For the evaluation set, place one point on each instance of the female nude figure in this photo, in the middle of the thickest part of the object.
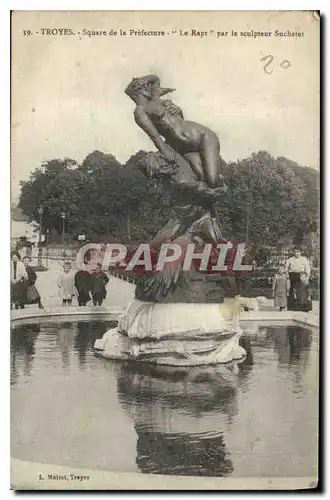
(162, 119)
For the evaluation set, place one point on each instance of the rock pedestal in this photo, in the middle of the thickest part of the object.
(172, 334)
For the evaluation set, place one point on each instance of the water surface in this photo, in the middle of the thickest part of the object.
(258, 418)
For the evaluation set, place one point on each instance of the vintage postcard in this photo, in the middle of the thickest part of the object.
(165, 250)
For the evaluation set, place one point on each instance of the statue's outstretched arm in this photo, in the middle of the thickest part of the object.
(144, 122)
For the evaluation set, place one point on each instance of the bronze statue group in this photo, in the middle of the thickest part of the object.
(188, 164)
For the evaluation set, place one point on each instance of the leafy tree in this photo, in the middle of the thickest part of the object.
(52, 188)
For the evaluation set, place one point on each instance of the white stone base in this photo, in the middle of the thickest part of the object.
(174, 352)
(172, 334)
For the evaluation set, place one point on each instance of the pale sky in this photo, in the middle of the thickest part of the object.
(68, 91)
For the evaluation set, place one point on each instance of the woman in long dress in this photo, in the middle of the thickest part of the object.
(32, 294)
(18, 281)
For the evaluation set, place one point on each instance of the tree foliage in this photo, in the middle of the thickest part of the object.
(268, 198)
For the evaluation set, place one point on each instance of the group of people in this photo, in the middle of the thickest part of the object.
(87, 286)
(291, 289)
(82, 284)
(23, 278)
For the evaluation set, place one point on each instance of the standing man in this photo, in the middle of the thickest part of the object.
(294, 266)
(98, 281)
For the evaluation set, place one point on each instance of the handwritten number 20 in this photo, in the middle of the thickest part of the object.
(285, 64)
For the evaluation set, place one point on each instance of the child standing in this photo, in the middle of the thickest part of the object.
(99, 281)
(66, 284)
(302, 294)
(281, 288)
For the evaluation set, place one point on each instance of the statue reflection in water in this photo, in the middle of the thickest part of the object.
(180, 417)
(22, 350)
